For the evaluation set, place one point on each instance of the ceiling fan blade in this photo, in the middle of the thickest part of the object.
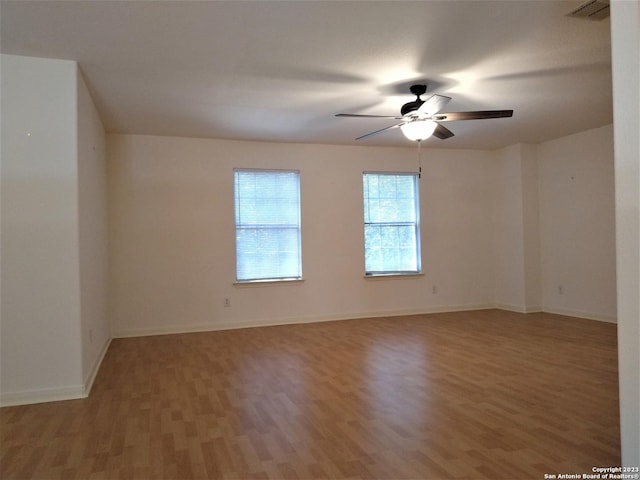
(433, 104)
(452, 117)
(442, 132)
(380, 131)
(366, 116)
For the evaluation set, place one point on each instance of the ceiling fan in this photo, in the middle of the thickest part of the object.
(420, 117)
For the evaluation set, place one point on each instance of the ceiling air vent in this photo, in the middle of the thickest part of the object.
(592, 10)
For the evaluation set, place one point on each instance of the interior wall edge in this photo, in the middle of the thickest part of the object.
(93, 372)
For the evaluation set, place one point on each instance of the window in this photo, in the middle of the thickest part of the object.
(391, 223)
(267, 211)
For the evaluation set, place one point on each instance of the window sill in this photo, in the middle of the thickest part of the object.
(390, 276)
(268, 283)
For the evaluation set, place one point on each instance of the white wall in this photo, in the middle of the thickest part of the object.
(172, 243)
(93, 234)
(508, 231)
(554, 226)
(457, 227)
(501, 228)
(625, 21)
(577, 215)
(40, 330)
(516, 229)
(531, 227)
(55, 327)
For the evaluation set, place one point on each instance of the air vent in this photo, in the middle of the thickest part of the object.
(592, 10)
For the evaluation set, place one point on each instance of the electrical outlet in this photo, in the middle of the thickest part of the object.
(227, 302)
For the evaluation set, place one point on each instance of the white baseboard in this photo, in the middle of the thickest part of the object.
(173, 329)
(556, 311)
(533, 309)
(91, 376)
(519, 308)
(231, 325)
(42, 395)
(579, 314)
(57, 394)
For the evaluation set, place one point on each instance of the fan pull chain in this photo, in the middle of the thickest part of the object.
(419, 160)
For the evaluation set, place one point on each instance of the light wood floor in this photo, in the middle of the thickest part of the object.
(474, 395)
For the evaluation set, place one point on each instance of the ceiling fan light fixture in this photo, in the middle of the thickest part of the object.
(418, 130)
(418, 116)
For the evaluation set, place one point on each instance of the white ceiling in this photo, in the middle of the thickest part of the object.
(280, 70)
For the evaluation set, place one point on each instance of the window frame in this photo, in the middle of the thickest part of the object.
(270, 279)
(416, 226)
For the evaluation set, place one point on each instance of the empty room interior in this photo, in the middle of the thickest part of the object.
(320, 239)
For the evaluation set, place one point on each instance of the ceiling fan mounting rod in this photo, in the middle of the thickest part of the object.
(418, 90)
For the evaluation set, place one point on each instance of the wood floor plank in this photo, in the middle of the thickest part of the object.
(468, 395)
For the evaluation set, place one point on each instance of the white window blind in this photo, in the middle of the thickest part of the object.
(391, 223)
(267, 213)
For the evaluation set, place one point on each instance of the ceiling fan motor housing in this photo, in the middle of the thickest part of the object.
(417, 90)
